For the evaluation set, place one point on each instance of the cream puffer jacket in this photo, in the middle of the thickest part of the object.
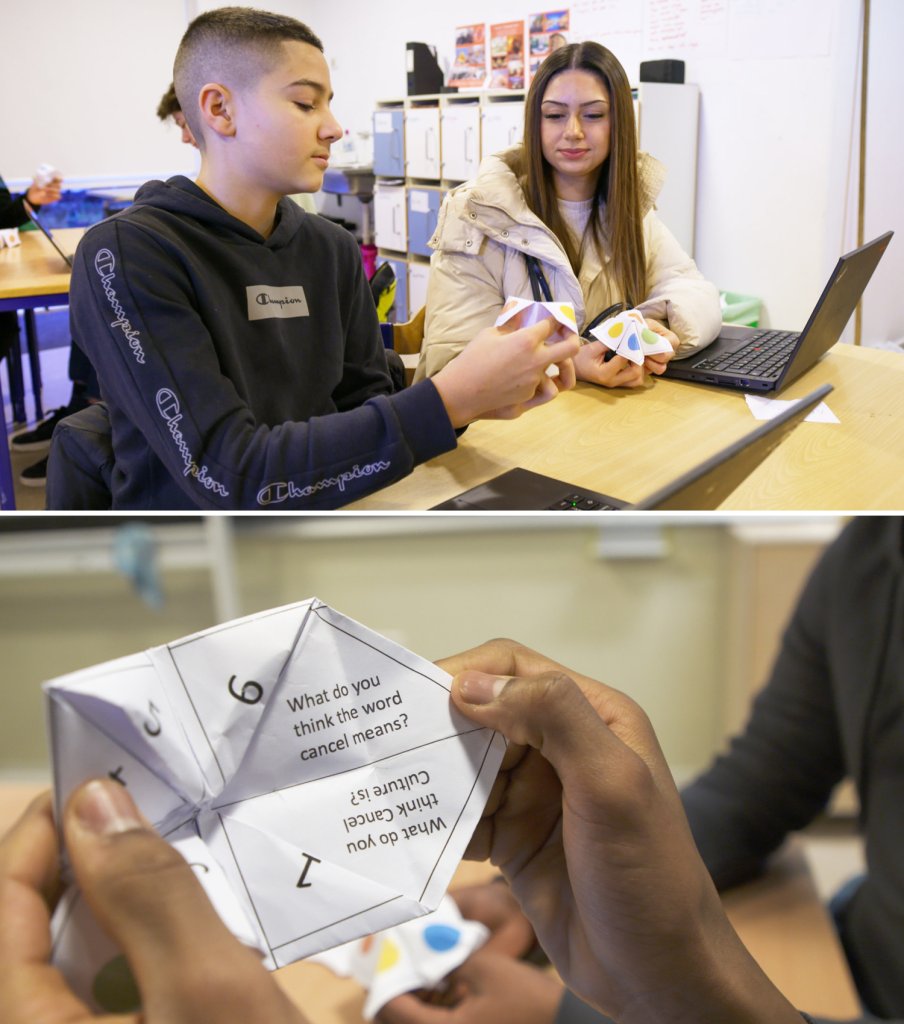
(484, 230)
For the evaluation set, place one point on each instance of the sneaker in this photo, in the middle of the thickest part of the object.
(34, 476)
(38, 439)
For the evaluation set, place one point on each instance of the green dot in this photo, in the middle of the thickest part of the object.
(114, 987)
(650, 337)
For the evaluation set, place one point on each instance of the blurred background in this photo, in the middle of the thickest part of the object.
(684, 614)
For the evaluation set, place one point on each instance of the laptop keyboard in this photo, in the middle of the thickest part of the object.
(580, 503)
(764, 355)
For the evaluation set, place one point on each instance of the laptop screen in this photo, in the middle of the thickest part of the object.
(30, 210)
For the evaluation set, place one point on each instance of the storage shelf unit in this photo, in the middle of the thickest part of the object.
(425, 145)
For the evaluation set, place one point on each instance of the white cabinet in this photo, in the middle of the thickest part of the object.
(503, 125)
(422, 142)
(668, 116)
(460, 140)
(390, 217)
(418, 275)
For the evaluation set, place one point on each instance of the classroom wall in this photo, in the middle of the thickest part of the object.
(654, 626)
(778, 142)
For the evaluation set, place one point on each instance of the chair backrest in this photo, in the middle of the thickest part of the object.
(408, 338)
(383, 290)
(80, 465)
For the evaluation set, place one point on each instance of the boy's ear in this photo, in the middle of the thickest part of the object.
(217, 109)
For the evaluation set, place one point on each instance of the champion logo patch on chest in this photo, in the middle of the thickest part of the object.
(266, 302)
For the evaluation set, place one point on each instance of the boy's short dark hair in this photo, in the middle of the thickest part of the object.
(240, 38)
(169, 103)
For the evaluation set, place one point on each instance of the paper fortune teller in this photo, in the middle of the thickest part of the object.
(533, 312)
(414, 955)
(314, 774)
(627, 335)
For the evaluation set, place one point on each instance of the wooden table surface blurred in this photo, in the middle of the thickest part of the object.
(779, 917)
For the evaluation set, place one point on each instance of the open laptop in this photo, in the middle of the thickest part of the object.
(705, 486)
(48, 234)
(767, 360)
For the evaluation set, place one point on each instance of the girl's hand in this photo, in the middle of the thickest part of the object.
(590, 364)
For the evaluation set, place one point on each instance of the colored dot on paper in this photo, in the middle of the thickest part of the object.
(567, 312)
(650, 337)
(440, 937)
(114, 988)
(616, 329)
(389, 956)
(633, 343)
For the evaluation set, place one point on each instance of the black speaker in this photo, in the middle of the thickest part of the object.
(424, 73)
(671, 71)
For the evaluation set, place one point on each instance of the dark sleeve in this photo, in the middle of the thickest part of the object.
(12, 212)
(779, 772)
(133, 315)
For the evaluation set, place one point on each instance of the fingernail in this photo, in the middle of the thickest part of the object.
(105, 808)
(479, 688)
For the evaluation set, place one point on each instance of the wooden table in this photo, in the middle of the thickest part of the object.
(779, 918)
(629, 443)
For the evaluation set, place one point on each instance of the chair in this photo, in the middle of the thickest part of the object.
(80, 464)
(406, 341)
(383, 290)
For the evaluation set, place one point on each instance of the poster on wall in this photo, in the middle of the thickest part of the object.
(470, 68)
(548, 31)
(507, 55)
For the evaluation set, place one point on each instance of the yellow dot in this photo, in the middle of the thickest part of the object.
(389, 956)
(616, 329)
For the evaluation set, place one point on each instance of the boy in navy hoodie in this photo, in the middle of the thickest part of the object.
(234, 335)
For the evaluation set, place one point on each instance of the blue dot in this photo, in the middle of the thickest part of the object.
(633, 343)
(441, 937)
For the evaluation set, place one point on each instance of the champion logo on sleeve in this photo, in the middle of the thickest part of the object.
(266, 302)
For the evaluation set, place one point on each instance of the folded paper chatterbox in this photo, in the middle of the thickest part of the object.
(531, 312)
(411, 956)
(628, 335)
(314, 774)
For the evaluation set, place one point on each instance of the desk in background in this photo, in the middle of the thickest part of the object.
(32, 275)
(779, 918)
(629, 443)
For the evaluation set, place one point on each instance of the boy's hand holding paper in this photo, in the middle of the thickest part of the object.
(628, 335)
(529, 312)
(314, 774)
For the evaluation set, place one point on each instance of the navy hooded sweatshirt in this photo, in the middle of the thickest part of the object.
(242, 372)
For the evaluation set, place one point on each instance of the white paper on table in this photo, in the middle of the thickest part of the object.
(769, 408)
(533, 312)
(414, 955)
(314, 773)
(628, 335)
(10, 238)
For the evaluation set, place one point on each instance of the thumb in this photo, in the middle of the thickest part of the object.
(144, 893)
(548, 712)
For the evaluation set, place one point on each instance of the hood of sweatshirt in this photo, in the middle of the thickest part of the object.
(183, 198)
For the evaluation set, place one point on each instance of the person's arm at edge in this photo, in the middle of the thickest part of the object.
(244, 458)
